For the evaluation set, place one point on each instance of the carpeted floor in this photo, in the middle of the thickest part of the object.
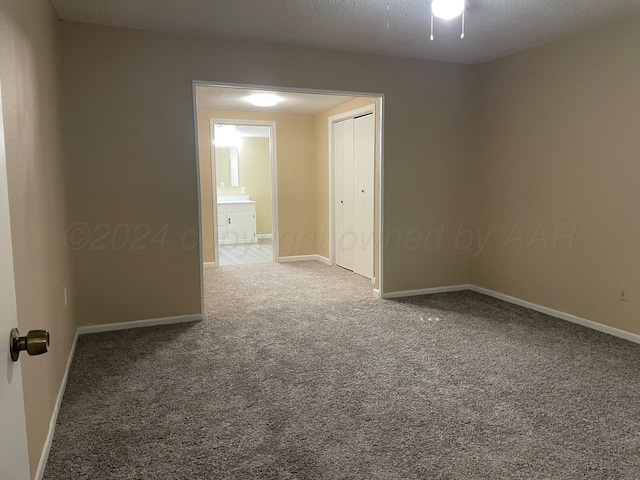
(299, 373)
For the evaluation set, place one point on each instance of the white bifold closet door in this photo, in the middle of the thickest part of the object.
(354, 145)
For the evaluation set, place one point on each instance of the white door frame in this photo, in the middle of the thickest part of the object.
(274, 179)
(14, 453)
(379, 190)
(273, 88)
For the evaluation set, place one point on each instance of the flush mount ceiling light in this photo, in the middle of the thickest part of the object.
(448, 10)
(263, 99)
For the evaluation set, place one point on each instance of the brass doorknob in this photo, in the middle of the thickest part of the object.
(35, 343)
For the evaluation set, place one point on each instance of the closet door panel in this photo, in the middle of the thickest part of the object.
(348, 238)
(338, 175)
(354, 160)
(359, 219)
(364, 135)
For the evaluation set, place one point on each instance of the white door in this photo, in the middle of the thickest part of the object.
(363, 165)
(345, 237)
(14, 459)
(349, 236)
(338, 190)
(354, 163)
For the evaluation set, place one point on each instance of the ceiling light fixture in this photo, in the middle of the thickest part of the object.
(263, 100)
(448, 10)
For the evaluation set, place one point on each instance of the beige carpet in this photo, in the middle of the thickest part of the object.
(299, 373)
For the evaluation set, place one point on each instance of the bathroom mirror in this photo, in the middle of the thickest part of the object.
(226, 140)
(227, 167)
(233, 144)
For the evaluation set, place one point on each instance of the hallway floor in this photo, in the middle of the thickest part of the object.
(246, 253)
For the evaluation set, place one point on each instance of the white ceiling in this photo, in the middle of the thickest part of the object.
(227, 98)
(494, 27)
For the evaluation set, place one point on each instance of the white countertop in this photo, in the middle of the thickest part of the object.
(227, 199)
(228, 202)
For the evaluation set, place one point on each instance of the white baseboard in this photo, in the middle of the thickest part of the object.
(616, 332)
(209, 264)
(304, 258)
(376, 293)
(407, 293)
(44, 456)
(425, 291)
(263, 236)
(108, 327)
(238, 242)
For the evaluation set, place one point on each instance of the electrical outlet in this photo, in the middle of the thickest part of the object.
(623, 295)
(222, 184)
(243, 190)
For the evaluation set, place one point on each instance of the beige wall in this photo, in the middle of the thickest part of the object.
(223, 171)
(133, 157)
(29, 59)
(254, 174)
(556, 146)
(559, 144)
(296, 178)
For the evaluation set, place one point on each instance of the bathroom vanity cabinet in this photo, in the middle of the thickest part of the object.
(236, 221)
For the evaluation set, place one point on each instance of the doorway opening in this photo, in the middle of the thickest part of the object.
(246, 201)
(303, 177)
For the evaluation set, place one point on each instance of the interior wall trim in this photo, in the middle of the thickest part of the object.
(199, 195)
(426, 291)
(304, 258)
(616, 332)
(108, 327)
(44, 456)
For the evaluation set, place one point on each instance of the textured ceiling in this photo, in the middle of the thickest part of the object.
(227, 98)
(494, 27)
